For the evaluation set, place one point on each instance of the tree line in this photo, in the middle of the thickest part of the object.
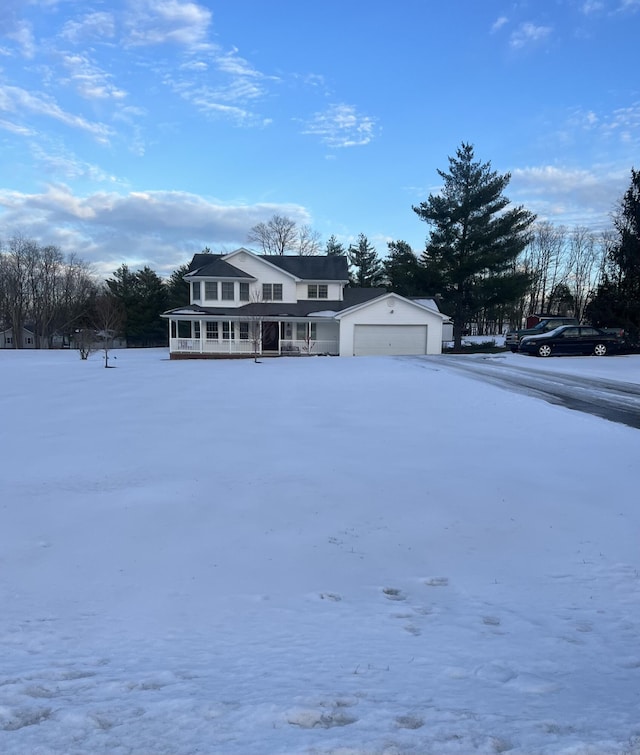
(60, 300)
(487, 263)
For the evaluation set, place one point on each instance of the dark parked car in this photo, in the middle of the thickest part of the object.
(571, 339)
(513, 337)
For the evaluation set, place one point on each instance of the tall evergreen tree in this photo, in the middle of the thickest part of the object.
(617, 298)
(474, 239)
(367, 266)
(178, 288)
(334, 248)
(402, 269)
(143, 296)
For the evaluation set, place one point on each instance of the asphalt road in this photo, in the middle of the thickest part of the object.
(616, 401)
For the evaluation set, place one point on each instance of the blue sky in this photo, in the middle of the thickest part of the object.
(140, 131)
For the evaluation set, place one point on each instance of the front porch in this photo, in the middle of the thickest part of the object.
(200, 346)
(201, 339)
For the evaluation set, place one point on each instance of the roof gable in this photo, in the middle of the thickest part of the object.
(389, 297)
(302, 267)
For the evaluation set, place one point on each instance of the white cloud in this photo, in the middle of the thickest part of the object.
(230, 93)
(167, 21)
(59, 162)
(17, 100)
(592, 6)
(99, 25)
(620, 124)
(23, 35)
(572, 196)
(15, 128)
(528, 34)
(499, 23)
(341, 126)
(159, 228)
(89, 80)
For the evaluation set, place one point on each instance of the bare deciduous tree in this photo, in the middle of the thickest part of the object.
(256, 319)
(281, 235)
(15, 295)
(309, 242)
(582, 268)
(109, 321)
(41, 287)
(276, 236)
(84, 340)
(545, 258)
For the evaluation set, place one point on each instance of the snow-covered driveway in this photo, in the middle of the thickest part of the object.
(614, 398)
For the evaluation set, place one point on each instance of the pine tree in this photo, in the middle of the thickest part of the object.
(334, 248)
(402, 269)
(178, 288)
(475, 239)
(617, 298)
(143, 296)
(368, 271)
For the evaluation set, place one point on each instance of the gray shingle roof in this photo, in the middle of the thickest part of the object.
(212, 265)
(306, 308)
(324, 268)
(332, 267)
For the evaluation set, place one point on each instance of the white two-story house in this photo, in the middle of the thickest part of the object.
(244, 303)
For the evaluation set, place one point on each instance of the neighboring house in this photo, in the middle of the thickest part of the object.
(295, 305)
(7, 340)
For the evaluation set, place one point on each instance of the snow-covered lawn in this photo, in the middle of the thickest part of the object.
(353, 556)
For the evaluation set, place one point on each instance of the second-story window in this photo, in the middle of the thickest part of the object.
(195, 291)
(244, 291)
(272, 291)
(211, 290)
(317, 291)
(227, 290)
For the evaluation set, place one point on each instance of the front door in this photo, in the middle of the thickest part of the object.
(270, 341)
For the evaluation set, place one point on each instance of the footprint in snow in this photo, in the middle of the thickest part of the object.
(330, 596)
(409, 722)
(392, 593)
(437, 582)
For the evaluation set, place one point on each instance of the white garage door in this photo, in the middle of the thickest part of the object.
(389, 339)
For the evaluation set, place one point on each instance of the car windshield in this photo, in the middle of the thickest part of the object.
(549, 333)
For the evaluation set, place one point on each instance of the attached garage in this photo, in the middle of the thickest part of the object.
(390, 325)
(389, 340)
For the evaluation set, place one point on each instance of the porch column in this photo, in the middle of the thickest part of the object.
(201, 335)
(232, 335)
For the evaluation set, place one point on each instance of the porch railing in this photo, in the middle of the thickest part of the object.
(237, 346)
(312, 347)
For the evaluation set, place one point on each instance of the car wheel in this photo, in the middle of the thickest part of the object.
(600, 349)
(544, 350)
(514, 349)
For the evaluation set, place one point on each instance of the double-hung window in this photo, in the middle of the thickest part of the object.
(212, 331)
(227, 290)
(272, 291)
(227, 331)
(195, 291)
(243, 291)
(317, 291)
(211, 290)
(244, 331)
